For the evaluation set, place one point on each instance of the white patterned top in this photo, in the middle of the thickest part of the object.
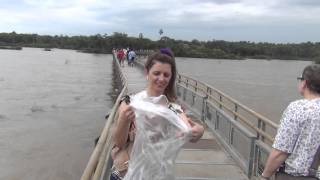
(299, 135)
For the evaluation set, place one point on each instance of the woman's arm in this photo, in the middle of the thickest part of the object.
(197, 129)
(126, 116)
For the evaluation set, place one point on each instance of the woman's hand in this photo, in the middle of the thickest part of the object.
(197, 131)
(121, 131)
(126, 113)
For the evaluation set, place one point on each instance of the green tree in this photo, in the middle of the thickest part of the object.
(140, 36)
(160, 32)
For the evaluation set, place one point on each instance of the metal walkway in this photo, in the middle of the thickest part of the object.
(135, 78)
(204, 160)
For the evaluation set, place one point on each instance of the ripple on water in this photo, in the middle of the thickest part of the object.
(67, 61)
(36, 108)
(54, 106)
(3, 117)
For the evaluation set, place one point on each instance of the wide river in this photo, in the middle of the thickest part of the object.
(52, 107)
(53, 103)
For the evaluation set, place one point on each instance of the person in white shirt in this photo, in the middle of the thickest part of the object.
(131, 56)
(298, 136)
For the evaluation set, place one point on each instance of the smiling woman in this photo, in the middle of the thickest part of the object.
(130, 135)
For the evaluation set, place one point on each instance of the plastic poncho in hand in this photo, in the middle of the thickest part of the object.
(160, 135)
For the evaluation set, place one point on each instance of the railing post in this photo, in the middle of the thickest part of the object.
(262, 126)
(231, 134)
(204, 108)
(178, 90)
(196, 86)
(235, 110)
(252, 157)
(259, 125)
(208, 114)
(193, 99)
(220, 100)
(256, 160)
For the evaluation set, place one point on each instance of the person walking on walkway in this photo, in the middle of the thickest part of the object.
(131, 56)
(121, 57)
(297, 141)
(160, 72)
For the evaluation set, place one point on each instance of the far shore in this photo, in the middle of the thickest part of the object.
(11, 47)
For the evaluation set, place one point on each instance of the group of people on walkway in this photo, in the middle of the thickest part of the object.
(125, 54)
(295, 153)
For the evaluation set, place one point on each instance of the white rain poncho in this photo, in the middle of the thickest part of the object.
(160, 135)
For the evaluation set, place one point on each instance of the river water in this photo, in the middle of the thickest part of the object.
(266, 86)
(52, 104)
(52, 107)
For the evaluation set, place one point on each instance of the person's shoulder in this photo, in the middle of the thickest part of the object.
(301, 106)
(304, 103)
(312, 105)
(294, 107)
(300, 103)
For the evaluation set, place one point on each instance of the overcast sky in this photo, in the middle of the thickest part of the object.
(279, 21)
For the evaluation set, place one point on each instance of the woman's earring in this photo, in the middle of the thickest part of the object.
(147, 77)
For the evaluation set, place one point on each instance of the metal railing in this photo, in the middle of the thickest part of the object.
(100, 161)
(246, 134)
(256, 123)
(144, 52)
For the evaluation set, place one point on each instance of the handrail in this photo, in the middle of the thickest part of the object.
(99, 156)
(231, 120)
(209, 90)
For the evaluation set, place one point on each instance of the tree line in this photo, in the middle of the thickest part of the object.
(104, 43)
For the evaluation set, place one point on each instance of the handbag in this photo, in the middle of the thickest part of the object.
(120, 157)
(281, 175)
(285, 176)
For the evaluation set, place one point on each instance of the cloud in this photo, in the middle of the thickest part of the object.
(206, 19)
(301, 3)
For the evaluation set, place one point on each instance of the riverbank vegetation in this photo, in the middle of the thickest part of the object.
(11, 47)
(103, 43)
